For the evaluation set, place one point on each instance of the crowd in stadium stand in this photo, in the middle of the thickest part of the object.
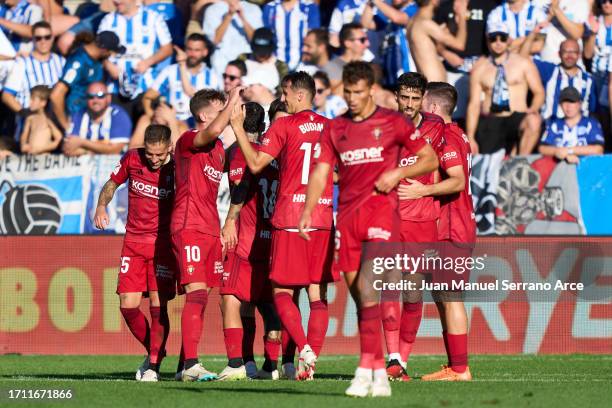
(91, 80)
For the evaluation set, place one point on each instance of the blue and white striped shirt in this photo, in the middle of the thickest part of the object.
(586, 132)
(291, 27)
(603, 48)
(23, 13)
(396, 56)
(555, 79)
(346, 11)
(142, 35)
(519, 24)
(168, 83)
(334, 106)
(29, 72)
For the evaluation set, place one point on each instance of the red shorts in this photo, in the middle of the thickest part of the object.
(248, 281)
(199, 258)
(297, 262)
(375, 221)
(419, 231)
(147, 267)
(460, 270)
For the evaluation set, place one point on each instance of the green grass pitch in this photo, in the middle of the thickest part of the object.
(499, 381)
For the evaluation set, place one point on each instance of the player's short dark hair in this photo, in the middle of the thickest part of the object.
(196, 37)
(444, 94)
(254, 118)
(157, 134)
(240, 65)
(41, 24)
(355, 71)
(346, 32)
(412, 80)
(322, 76)
(422, 3)
(276, 106)
(202, 99)
(321, 35)
(299, 80)
(41, 91)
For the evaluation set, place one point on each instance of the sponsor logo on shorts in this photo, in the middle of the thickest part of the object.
(236, 172)
(378, 233)
(218, 267)
(190, 269)
(361, 156)
(150, 191)
(213, 174)
(408, 161)
(301, 198)
(449, 155)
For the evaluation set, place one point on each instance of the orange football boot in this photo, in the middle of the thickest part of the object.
(447, 374)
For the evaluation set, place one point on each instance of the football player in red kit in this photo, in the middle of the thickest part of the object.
(200, 158)
(366, 145)
(456, 226)
(294, 262)
(247, 236)
(147, 263)
(418, 224)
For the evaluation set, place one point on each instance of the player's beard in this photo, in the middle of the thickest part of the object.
(193, 62)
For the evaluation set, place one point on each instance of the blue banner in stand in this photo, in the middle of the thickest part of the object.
(54, 194)
(43, 194)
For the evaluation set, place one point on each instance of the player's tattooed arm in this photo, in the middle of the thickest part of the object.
(101, 219)
(229, 233)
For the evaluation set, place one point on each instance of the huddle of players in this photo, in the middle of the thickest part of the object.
(282, 183)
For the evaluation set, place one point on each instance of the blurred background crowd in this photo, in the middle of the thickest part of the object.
(81, 77)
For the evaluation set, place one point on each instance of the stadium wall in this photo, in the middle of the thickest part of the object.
(57, 296)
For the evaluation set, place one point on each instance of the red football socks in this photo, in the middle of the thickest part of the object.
(271, 349)
(370, 338)
(248, 337)
(317, 325)
(233, 343)
(138, 325)
(391, 325)
(411, 320)
(191, 322)
(289, 315)
(160, 329)
(457, 351)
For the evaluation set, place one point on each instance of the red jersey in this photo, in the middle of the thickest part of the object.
(365, 150)
(198, 174)
(294, 141)
(150, 196)
(254, 227)
(431, 129)
(457, 221)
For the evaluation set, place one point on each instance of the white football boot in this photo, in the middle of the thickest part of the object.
(143, 367)
(232, 374)
(381, 387)
(361, 385)
(197, 373)
(150, 376)
(306, 364)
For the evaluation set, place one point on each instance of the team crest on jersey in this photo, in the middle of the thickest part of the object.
(415, 135)
(377, 133)
(190, 269)
(312, 118)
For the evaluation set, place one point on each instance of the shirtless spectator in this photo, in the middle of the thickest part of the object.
(163, 114)
(425, 34)
(39, 134)
(499, 120)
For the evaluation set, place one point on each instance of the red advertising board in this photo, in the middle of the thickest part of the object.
(57, 296)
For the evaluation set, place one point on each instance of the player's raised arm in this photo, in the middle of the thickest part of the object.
(219, 122)
(316, 186)
(101, 219)
(256, 160)
(453, 184)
